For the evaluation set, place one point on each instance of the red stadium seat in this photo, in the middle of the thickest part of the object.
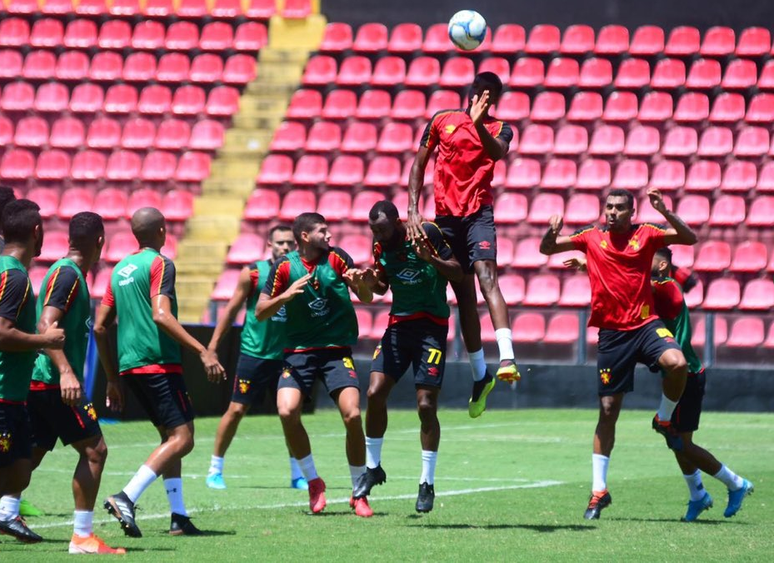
(320, 71)
(250, 37)
(622, 106)
(138, 134)
(174, 68)
(177, 205)
(585, 106)
(513, 106)
(577, 40)
(373, 104)
(563, 328)
(148, 35)
(297, 202)
(47, 32)
(192, 9)
(646, 213)
(14, 32)
(692, 108)
(718, 42)
(572, 140)
(527, 253)
(498, 66)
(529, 328)
(762, 213)
(31, 132)
(115, 34)
(607, 140)
(104, 133)
(512, 287)
(704, 75)
(207, 135)
(225, 286)
(758, 295)
(723, 294)
(354, 71)
(560, 173)
(222, 101)
(576, 292)
(275, 169)
(55, 245)
(668, 175)
(181, 36)
(548, 106)
(72, 66)
(582, 209)
(523, 173)
(704, 175)
(642, 140)
(749, 257)
(247, 248)
(423, 72)
(700, 331)
(172, 135)
(336, 38)
(188, 100)
(382, 171)
(739, 176)
(39, 65)
(595, 73)
(47, 199)
(409, 104)
(633, 74)
(527, 72)
(543, 39)
(89, 166)
(206, 68)
(362, 204)
(746, 332)
(715, 142)
(120, 99)
(17, 164)
(158, 166)
(335, 205)
(22, 6)
(593, 174)
(508, 39)
(123, 166)
(6, 131)
(142, 198)
(260, 9)
(542, 291)
(537, 139)
(53, 165)
(304, 104)
(753, 42)
(359, 138)
(158, 8)
(339, 104)
(656, 106)
(107, 66)
(647, 41)
(740, 75)
(680, 142)
(17, 97)
(510, 208)
(612, 40)
(562, 73)
(752, 142)
(395, 138)
(346, 171)
(323, 136)
(729, 108)
(389, 71)
(457, 72)
(263, 205)
(761, 110)
(370, 38)
(683, 41)
(193, 166)
(442, 100)
(296, 9)
(437, 40)
(358, 247)
(289, 136)
(727, 211)
(80, 34)
(714, 255)
(310, 170)
(544, 205)
(74, 201)
(668, 74)
(216, 36)
(631, 175)
(405, 38)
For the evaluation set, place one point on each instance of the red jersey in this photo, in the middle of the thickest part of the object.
(463, 169)
(619, 268)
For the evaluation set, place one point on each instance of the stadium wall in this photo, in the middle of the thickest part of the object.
(542, 386)
(596, 13)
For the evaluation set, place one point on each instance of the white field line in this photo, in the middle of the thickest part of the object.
(345, 500)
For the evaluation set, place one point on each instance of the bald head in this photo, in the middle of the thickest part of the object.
(148, 227)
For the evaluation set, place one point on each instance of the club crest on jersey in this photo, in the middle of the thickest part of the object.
(634, 243)
(285, 373)
(5, 442)
(603, 244)
(408, 276)
(604, 375)
(377, 352)
(244, 385)
(450, 129)
(90, 412)
(126, 273)
(319, 307)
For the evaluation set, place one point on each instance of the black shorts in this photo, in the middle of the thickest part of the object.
(688, 410)
(51, 419)
(421, 343)
(253, 377)
(333, 365)
(471, 238)
(15, 433)
(619, 351)
(164, 398)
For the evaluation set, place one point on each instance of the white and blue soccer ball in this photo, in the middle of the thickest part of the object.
(467, 29)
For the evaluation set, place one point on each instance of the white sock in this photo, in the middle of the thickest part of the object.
(355, 471)
(505, 343)
(141, 481)
(373, 451)
(695, 486)
(428, 467)
(295, 470)
(216, 465)
(666, 408)
(82, 523)
(9, 507)
(730, 479)
(477, 364)
(599, 464)
(307, 468)
(174, 489)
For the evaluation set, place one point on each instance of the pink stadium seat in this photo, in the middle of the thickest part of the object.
(562, 73)
(766, 80)
(193, 166)
(106, 66)
(261, 9)
(55, 245)
(251, 37)
(222, 101)
(354, 71)
(120, 99)
(582, 209)
(752, 142)
(680, 142)
(207, 135)
(275, 169)
(80, 34)
(47, 32)
(529, 328)
(423, 72)
(700, 332)
(142, 198)
(336, 38)
(746, 332)
(409, 104)
(621, 106)
(53, 165)
(382, 171)
(370, 38)
(563, 328)
(508, 39)
(358, 247)
(47, 199)
(548, 106)
(296, 9)
(437, 40)
(216, 36)
(512, 287)
(192, 9)
(359, 138)
(158, 8)
(441, 100)
(188, 100)
(320, 71)
(310, 170)
(715, 142)
(633, 74)
(704, 74)
(39, 65)
(373, 104)
(739, 176)
(595, 73)
(585, 107)
(543, 39)
(513, 106)
(22, 6)
(593, 174)
(37, 274)
(668, 74)
(510, 208)
(727, 211)
(740, 75)
(17, 97)
(362, 204)
(339, 104)
(762, 213)
(576, 292)
(683, 41)
(395, 138)
(498, 66)
(572, 140)
(75, 200)
(631, 175)
(138, 134)
(527, 72)
(405, 38)
(123, 166)
(723, 294)
(262, 205)
(577, 40)
(718, 42)
(753, 42)
(72, 66)
(646, 213)
(692, 107)
(103, 133)
(704, 175)
(177, 205)
(89, 166)
(543, 206)
(527, 253)
(523, 173)
(749, 257)
(642, 141)
(173, 67)
(206, 68)
(323, 136)
(172, 135)
(542, 291)
(115, 34)
(537, 139)
(304, 104)
(728, 108)
(668, 175)
(31, 132)
(656, 107)
(612, 40)
(559, 173)
(457, 72)
(758, 295)
(6, 131)
(226, 285)
(389, 71)
(607, 140)
(14, 32)
(346, 171)
(761, 110)
(648, 40)
(335, 205)
(148, 35)
(158, 166)
(714, 256)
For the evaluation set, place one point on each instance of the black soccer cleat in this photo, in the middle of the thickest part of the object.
(664, 427)
(597, 501)
(17, 528)
(425, 498)
(182, 526)
(122, 509)
(368, 480)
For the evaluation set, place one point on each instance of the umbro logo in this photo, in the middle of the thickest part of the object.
(485, 245)
(127, 270)
(408, 276)
(319, 307)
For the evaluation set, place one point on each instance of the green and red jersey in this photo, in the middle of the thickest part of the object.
(265, 339)
(418, 288)
(464, 171)
(143, 347)
(322, 316)
(619, 272)
(64, 288)
(671, 308)
(17, 304)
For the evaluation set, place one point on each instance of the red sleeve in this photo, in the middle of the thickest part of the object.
(162, 277)
(580, 238)
(654, 236)
(430, 135)
(279, 278)
(340, 260)
(668, 298)
(108, 300)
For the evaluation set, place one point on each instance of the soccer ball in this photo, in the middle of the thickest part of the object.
(467, 29)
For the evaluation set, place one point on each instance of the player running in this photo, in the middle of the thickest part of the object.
(260, 358)
(416, 335)
(142, 296)
(469, 143)
(619, 258)
(23, 235)
(313, 285)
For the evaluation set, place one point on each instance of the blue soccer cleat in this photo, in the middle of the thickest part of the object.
(735, 498)
(215, 481)
(696, 507)
(301, 484)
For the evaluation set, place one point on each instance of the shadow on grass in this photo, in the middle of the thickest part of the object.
(542, 528)
(205, 533)
(677, 521)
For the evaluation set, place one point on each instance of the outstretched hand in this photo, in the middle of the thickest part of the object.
(556, 223)
(657, 199)
(479, 107)
(414, 226)
(575, 264)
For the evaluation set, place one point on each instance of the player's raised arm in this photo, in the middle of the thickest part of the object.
(495, 147)
(231, 310)
(680, 233)
(552, 243)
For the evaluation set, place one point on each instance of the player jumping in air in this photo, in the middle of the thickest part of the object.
(142, 296)
(313, 285)
(260, 358)
(417, 272)
(469, 143)
(619, 257)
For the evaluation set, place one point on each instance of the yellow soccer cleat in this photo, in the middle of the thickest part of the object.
(481, 389)
(508, 371)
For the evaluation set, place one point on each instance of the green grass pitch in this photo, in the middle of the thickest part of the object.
(511, 486)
